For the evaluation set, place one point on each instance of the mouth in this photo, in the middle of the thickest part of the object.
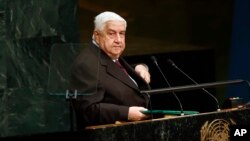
(117, 47)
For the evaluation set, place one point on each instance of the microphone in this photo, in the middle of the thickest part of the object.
(155, 62)
(173, 64)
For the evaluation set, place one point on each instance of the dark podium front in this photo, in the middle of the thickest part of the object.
(203, 126)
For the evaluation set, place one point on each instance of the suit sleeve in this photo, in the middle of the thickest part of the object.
(89, 106)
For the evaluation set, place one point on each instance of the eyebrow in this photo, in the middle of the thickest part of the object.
(115, 30)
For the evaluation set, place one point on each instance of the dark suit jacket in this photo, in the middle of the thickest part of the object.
(107, 92)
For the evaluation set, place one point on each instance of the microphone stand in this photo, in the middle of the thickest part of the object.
(173, 64)
(155, 61)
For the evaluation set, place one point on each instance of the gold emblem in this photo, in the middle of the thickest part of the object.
(217, 130)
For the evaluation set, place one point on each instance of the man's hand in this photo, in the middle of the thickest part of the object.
(135, 114)
(142, 70)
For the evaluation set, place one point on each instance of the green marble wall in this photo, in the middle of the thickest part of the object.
(28, 30)
(2, 37)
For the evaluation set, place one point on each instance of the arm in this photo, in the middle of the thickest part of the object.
(92, 109)
(106, 102)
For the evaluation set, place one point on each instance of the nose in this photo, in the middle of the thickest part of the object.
(117, 37)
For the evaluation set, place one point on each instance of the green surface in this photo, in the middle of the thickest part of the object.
(169, 112)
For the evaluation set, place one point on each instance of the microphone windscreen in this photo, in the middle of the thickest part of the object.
(154, 59)
(171, 62)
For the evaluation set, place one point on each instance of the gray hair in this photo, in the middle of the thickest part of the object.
(102, 18)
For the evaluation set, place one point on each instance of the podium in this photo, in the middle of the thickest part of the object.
(199, 126)
(203, 126)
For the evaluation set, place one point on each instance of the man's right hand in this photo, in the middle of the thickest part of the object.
(135, 114)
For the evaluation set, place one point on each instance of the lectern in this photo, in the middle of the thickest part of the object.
(198, 126)
(203, 127)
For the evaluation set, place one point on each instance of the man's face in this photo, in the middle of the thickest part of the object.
(112, 39)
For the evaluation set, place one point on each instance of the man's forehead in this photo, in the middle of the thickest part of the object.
(115, 24)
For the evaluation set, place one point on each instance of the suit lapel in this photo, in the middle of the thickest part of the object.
(115, 71)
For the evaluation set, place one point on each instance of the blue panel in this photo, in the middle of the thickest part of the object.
(240, 49)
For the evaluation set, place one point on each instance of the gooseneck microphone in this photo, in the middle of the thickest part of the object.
(173, 64)
(168, 84)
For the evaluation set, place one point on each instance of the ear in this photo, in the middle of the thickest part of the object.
(96, 36)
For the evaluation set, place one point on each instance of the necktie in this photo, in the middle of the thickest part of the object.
(124, 70)
(121, 67)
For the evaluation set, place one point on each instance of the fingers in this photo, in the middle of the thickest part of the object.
(142, 70)
(135, 113)
(146, 76)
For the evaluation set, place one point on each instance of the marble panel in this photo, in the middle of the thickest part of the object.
(41, 18)
(28, 62)
(28, 30)
(3, 77)
(33, 111)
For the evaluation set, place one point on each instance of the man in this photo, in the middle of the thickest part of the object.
(110, 91)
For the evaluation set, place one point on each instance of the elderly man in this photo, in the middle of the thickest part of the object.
(110, 86)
